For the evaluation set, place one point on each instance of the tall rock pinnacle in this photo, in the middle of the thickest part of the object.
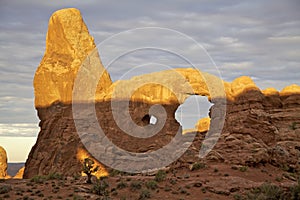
(68, 42)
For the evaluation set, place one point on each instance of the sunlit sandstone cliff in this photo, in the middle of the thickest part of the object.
(262, 116)
(19, 174)
(3, 163)
(68, 43)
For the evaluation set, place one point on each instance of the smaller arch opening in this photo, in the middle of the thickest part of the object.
(153, 120)
(149, 119)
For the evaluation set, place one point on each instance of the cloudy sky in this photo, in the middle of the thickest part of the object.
(258, 38)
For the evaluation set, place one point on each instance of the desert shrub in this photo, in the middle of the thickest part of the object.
(136, 185)
(278, 179)
(100, 187)
(167, 188)
(122, 185)
(173, 181)
(294, 191)
(238, 197)
(145, 194)
(266, 192)
(114, 172)
(197, 166)
(151, 184)
(293, 126)
(76, 176)
(5, 189)
(40, 195)
(54, 176)
(160, 176)
(77, 197)
(243, 168)
(38, 179)
(123, 198)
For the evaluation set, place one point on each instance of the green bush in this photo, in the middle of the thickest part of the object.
(5, 189)
(295, 191)
(77, 197)
(238, 197)
(243, 168)
(293, 126)
(100, 187)
(54, 176)
(145, 194)
(197, 166)
(136, 185)
(152, 184)
(38, 179)
(266, 192)
(122, 185)
(160, 176)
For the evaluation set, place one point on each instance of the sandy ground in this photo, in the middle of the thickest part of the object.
(211, 181)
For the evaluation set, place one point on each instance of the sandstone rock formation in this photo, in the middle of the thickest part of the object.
(68, 42)
(260, 126)
(3, 163)
(166, 87)
(203, 124)
(19, 174)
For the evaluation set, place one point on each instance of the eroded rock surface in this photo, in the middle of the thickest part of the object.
(68, 43)
(259, 129)
(3, 163)
(259, 126)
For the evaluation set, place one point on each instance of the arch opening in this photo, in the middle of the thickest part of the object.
(149, 119)
(192, 110)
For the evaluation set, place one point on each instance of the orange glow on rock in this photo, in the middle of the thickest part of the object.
(82, 154)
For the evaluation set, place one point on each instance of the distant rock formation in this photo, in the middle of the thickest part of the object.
(3, 163)
(19, 174)
(203, 124)
(260, 126)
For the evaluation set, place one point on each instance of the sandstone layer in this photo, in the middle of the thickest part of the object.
(259, 126)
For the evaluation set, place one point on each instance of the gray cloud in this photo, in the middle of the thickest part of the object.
(255, 38)
(19, 130)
